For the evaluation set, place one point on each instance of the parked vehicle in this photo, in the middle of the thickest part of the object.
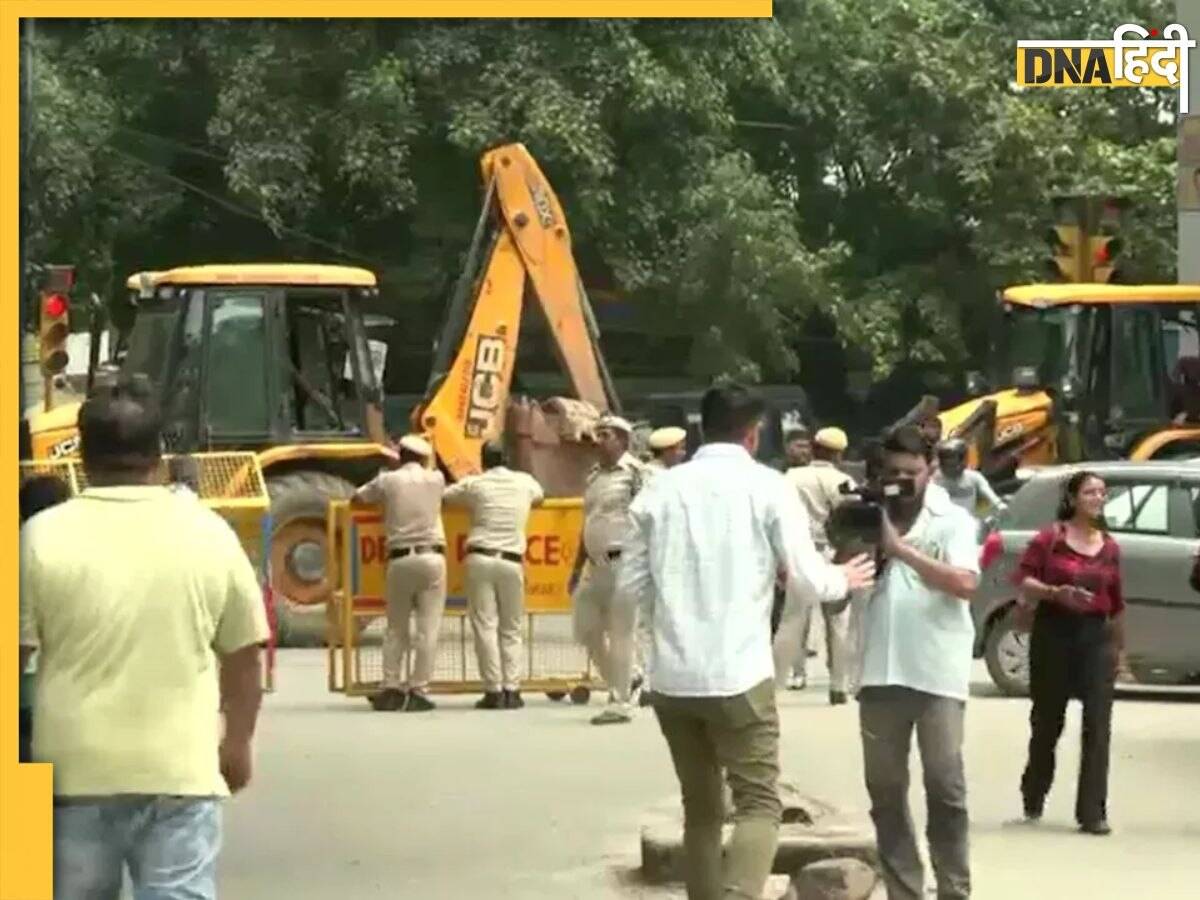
(1153, 511)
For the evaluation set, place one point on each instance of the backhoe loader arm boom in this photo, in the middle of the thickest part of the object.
(472, 374)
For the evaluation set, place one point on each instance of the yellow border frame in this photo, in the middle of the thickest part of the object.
(25, 791)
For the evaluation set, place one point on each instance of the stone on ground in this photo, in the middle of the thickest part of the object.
(835, 879)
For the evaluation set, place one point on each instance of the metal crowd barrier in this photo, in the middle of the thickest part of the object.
(554, 663)
(232, 485)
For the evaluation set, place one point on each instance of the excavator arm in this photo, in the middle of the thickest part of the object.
(521, 238)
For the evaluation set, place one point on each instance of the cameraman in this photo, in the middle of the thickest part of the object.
(917, 637)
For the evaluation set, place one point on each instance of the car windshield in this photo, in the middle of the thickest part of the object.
(1042, 339)
(149, 343)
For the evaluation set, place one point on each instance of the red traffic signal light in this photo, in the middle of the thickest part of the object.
(57, 306)
(54, 330)
(1105, 252)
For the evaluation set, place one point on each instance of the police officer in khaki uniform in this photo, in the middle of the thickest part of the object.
(411, 495)
(668, 446)
(499, 501)
(605, 620)
(820, 486)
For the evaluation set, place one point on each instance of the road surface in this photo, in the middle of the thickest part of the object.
(537, 804)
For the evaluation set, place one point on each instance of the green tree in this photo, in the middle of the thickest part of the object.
(868, 162)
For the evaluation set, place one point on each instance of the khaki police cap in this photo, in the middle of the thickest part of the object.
(662, 438)
(616, 423)
(414, 443)
(832, 439)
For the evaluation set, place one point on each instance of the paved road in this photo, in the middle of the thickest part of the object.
(537, 804)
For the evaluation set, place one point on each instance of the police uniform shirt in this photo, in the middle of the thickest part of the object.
(818, 484)
(412, 504)
(499, 501)
(606, 502)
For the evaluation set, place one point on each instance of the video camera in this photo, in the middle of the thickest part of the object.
(858, 521)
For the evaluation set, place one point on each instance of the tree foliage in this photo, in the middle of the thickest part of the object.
(869, 162)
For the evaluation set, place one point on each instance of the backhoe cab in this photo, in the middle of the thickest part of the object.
(269, 358)
(1096, 371)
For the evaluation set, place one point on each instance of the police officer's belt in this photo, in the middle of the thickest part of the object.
(401, 552)
(503, 554)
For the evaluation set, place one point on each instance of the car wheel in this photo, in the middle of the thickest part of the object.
(1007, 656)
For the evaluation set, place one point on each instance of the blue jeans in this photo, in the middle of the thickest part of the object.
(169, 844)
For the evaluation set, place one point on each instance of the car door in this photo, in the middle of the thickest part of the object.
(1152, 522)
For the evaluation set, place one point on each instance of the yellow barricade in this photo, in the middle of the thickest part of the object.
(231, 484)
(358, 558)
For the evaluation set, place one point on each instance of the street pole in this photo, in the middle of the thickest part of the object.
(24, 195)
(1187, 14)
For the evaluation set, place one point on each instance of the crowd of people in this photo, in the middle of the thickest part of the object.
(697, 585)
(716, 540)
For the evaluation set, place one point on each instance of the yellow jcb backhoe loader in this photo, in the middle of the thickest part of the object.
(274, 358)
(1095, 371)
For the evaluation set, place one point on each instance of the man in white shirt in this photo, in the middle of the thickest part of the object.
(918, 636)
(707, 539)
(966, 487)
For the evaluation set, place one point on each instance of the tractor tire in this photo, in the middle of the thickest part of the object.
(299, 502)
(1006, 652)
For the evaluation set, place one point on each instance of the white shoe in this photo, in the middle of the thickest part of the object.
(797, 682)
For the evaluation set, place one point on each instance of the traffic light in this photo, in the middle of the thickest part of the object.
(1084, 243)
(1067, 241)
(54, 310)
(1066, 249)
(1104, 246)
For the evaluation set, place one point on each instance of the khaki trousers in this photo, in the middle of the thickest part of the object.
(415, 583)
(838, 644)
(496, 606)
(740, 736)
(606, 624)
(790, 647)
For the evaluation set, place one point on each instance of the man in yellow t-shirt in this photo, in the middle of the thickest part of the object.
(149, 619)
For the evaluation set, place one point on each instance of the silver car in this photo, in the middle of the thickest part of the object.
(1153, 510)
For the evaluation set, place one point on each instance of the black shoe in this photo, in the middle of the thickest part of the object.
(418, 703)
(512, 700)
(837, 698)
(1033, 809)
(1100, 827)
(388, 700)
(493, 700)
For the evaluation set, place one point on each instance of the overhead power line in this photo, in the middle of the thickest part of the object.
(173, 142)
(246, 212)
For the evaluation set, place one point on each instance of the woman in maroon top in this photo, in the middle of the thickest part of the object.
(1071, 570)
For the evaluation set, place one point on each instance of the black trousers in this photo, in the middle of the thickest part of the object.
(777, 610)
(1070, 656)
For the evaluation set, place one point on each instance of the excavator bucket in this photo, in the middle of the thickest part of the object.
(554, 441)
